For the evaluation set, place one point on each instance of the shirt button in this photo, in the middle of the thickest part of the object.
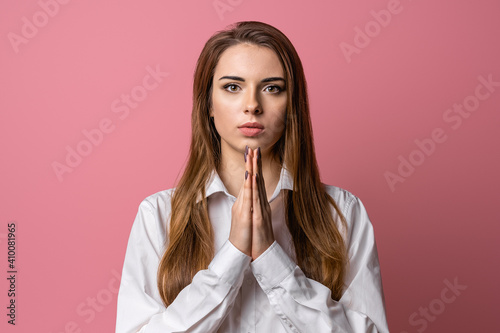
(259, 277)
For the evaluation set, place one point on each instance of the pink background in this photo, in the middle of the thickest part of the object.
(67, 73)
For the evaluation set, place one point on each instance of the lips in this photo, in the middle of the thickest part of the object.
(250, 131)
(252, 125)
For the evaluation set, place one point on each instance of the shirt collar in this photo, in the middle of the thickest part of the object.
(214, 184)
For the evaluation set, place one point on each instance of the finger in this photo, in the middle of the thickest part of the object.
(255, 164)
(242, 188)
(240, 193)
(257, 201)
(248, 195)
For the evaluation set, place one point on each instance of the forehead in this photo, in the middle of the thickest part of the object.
(249, 60)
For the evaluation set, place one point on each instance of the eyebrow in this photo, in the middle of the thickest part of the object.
(268, 79)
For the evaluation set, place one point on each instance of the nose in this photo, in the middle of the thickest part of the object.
(252, 102)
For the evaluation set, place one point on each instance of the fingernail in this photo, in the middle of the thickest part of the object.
(246, 174)
(246, 153)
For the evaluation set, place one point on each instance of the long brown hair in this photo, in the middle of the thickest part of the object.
(319, 246)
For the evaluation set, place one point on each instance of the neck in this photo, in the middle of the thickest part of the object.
(232, 171)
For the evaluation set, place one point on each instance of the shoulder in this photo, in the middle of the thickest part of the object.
(354, 211)
(154, 213)
(158, 202)
(343, 198)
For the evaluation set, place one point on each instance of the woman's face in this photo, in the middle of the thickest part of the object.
(248, 86)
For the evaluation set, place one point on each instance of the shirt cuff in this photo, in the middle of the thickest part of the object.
(272, 267)
(229, 263)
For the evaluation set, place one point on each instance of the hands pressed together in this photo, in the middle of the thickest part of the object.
(251, 223)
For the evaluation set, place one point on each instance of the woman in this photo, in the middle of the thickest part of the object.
(215, 254)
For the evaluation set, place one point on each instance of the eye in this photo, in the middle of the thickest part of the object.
(274, 89)
(231, 87)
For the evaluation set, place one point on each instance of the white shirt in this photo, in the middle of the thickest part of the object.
(270, 294)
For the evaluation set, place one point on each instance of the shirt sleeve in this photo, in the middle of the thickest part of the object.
(200, 307)
(305, 305)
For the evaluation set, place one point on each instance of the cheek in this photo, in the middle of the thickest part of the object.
(221, 111)
(278, 118)
(280, 123)
(221, 104)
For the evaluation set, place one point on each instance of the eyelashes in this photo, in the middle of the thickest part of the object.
(230, 85)
(273, 89)
(277, 89)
